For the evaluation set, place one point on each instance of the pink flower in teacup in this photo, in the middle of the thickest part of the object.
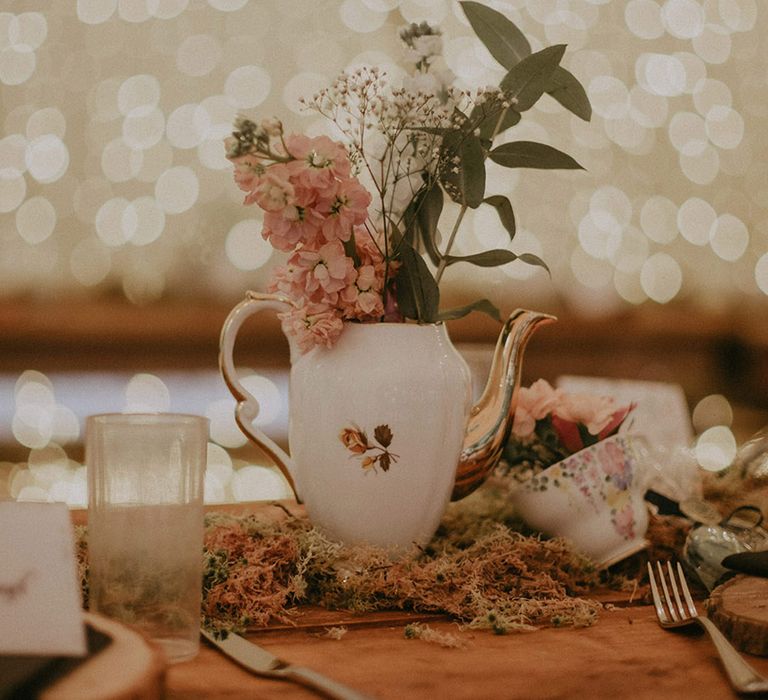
(533, 404)
(583, 419)
(551, 424)
(594, 412)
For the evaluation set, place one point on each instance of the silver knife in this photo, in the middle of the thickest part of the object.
(263, 663)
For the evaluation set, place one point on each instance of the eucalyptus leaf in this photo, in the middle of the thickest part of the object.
(507, 44)
(570, 93)
(459, 312)
(396, 236)
(488, 258)
(506, 214)
(504, 41)
(527, 81)
(492, 118)
(530, 154)
(465, 181)
(532, 259)
(427, 215)
(409, 223)
(418, 296)
(510, 119)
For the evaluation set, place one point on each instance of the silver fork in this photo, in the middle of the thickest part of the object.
(674, 611)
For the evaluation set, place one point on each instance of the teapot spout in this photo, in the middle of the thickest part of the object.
(490, 420)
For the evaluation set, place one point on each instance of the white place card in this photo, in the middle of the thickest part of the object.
(40, 606)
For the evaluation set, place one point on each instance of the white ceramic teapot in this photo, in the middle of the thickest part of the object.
(382, 430)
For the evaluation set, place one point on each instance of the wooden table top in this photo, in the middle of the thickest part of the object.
(626, 654)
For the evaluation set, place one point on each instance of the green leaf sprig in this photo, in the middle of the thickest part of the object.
(465, 149)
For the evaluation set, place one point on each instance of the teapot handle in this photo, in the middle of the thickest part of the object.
(247, 406)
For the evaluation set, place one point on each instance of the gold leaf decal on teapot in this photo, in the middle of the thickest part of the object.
(372, 456)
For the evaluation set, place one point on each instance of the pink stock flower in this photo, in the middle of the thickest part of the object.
(345, 206)
(312, 325)
(363, 299)
(286, 280)
(248, 170)
(317, 161)
(273, 190)
(297, 223)
(312, 204)
(327, 269)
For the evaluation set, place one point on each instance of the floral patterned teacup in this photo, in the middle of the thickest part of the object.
(594, 498)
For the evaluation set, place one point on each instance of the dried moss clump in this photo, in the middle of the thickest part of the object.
(480, 569)
(477, 569)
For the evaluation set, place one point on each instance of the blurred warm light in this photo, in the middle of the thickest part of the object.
(252, 483)
(683, 19)
(696, 217)
(711, 411)
(267, 395)
(89, 262)
(146, 393)
(729, 237)
(661, 74)
(246, 249)
(715, 448)
(223, 428)
(177, 189)
(658, 219)
(35, 220)
(661, 277)
(761, 273)
(673, 84)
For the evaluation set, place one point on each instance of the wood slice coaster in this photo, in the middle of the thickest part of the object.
(739, 607)
(128, 668)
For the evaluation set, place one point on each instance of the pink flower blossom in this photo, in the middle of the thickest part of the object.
(327, 269)
(533, 403)
(312, 325)
(344, 206)
(272, 191)
(318, 161)
(286, 280)
(297, 223)
(362, 299)
(248, 169)
(594, 412)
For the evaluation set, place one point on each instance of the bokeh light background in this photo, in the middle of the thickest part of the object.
(113, 178)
